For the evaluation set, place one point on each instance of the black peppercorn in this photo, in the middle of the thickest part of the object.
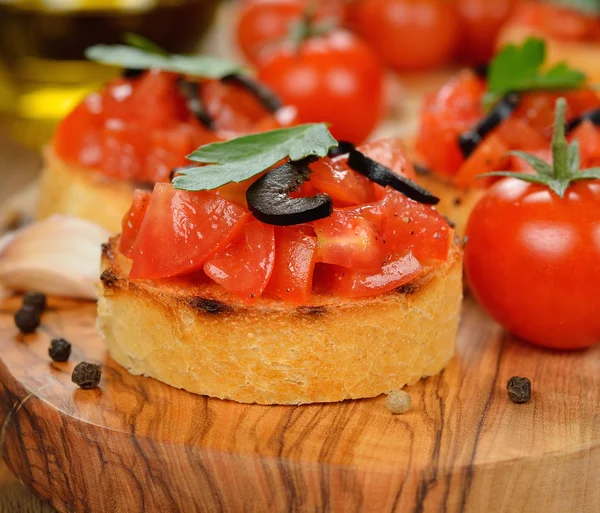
(519, 389)
(59, 350)
(35, 300)
(27, 319)
(86, 375)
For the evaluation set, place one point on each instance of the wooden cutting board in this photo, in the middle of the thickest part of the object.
(137, 445)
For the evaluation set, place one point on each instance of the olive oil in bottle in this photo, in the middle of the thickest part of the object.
(43, 71)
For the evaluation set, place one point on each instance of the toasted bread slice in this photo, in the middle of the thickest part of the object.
(201, 338)
(81, 192)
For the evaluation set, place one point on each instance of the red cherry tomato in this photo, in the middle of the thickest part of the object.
(182, 230)
(333, 78)
(532, 261)
(245, 265)
(133, 220)
(295, 258)
(409, 34)
(480, 23)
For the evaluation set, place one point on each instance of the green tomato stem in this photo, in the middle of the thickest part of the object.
(559, 142)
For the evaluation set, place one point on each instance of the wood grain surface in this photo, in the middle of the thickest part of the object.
(136, 444)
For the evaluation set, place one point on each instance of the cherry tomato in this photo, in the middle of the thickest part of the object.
(480, 23)
(261, 23)
(532, 261)
(295, 258)
(182, 230)
(409, 34)
(132, 221)
(246, 264)
(333, 78)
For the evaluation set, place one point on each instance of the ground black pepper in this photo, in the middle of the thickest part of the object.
(59, 350)
(519, 389)
(86, 375)
(27, 319)
(35, 300)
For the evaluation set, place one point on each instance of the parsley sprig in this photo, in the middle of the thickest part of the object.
(520, 68)
(238, 159)
(140, 53)
(565, 168)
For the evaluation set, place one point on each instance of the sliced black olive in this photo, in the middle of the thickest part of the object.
(481, 70)
(342, 148)
(268, 198)
(267, 97)
(191, 92)
(132, 73)
(590, 115)
(470, 139)
(383, 175)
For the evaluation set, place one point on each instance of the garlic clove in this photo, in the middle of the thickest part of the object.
(58, 256)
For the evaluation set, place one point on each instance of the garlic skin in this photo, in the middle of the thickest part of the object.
(57, 256)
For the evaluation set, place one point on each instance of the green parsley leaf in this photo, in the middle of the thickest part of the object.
(244, 157)
(519, 68)
(584, 6)
(140, 53)
(565, 167)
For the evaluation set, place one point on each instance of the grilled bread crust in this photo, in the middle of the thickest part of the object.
(84, 193)
(201, 338)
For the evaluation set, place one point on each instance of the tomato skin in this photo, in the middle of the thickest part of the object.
(182, 230)
(533, 260)
(588, 136)
(261, 23)
(490, 155)
(409, 34)
(295, 258)
(132, 221)
(480, 22)
(345, 186)
(244, 267)
(351, 283)
(333, 78)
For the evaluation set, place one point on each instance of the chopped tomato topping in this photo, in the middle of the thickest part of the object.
(518, 164)
(132, 221)
(517, 134)
(588, 136)
(345, 186)
(182, 230)
(350, 283)
(244, 267)
(417, 228)
(348, 240)
(295, 258)
(490, 155)
(391, 153)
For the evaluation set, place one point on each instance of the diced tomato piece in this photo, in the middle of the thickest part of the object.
(182, 230)
(345, 186)
(518, 164)
(295, 258)
(376, 213)
(231, 106)
(117, 99)
(78, 137)
(244, 267)
(417, 228)
(588, 136)
(157, 102)
(490, 155)
(132, 221)
(124, 150)
(348, 240)
(517, 134)
(455, 108)
(354, 284)
(391, 153)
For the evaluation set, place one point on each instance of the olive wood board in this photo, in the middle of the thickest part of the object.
(138, 445)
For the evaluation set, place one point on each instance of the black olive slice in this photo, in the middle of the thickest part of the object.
(132, 73)
(470, 139)
(590, 115)
(268, 198)
(342, 148)
(383, 175)
(267, 97)
(191, 92)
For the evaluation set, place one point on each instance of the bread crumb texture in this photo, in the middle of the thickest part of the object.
(201, 339)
